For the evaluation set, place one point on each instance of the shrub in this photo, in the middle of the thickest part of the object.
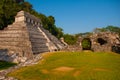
(86, 44)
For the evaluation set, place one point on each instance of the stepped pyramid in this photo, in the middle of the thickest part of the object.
(26, 37)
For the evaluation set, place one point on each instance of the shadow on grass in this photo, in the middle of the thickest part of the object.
(5, 65)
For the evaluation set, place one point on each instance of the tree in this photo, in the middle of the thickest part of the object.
(86, 34)
(51, 20)
(108, 29)
(8, 10)
(19, 1)
(113, 29)
(70, 39)
(26, 6)
(97, 30)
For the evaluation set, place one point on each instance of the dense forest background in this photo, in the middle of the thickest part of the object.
(9, 8)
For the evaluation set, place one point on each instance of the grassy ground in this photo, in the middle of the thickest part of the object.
(73, 66)
(5, 65)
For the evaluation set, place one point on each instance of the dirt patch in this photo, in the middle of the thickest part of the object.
(44, 71)
(76, 73)
(63, 69)
(100, 69)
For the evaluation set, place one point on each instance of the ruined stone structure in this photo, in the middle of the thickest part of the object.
(104, 41)
(26, 37)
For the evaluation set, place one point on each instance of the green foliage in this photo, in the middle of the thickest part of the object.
(52, 27)
(4, 65)
(84, 65)
(113, 29)
(86, 34)
(108, 29)
(70, 39)
(49, 24)
(19, 1)
(86, 44)
(8, 9)
(97, 30)
(26, 6)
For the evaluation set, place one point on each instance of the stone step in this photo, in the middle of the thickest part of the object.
(40, 51)
(12, 32)
(38, 45)
(10, 39)
(16, 27)
(37, 36)
(20, 23)
(25, 43)
(13, 35)
(36, 33)
(15, 49)
(32, 28)
(38, 39)
(10, 47)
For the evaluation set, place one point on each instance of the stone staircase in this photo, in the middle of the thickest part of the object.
(38, 41)
(57, 44)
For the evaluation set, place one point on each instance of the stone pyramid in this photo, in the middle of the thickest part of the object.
(26, 37)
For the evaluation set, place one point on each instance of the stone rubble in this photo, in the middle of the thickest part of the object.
(29, 62)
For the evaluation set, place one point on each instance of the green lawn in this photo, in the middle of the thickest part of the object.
(73, 66)
(5, 65)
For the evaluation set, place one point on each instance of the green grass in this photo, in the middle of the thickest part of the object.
(79, 66)
(5, 65)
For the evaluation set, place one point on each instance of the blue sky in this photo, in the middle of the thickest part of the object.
(78, 16)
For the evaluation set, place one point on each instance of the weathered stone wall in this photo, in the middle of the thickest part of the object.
(26, 37)
(104, 41)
